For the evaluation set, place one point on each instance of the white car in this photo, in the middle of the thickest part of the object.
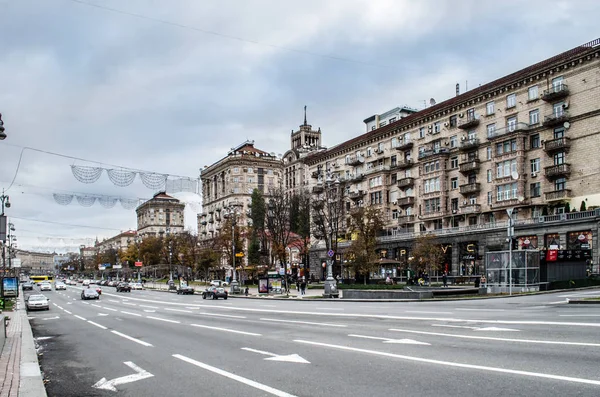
(136, 285)
(45, 286)
(86, 282)
(60, 285)
(37, 302)
(219, 283)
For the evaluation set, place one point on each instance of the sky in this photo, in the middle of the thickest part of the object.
(171, 86)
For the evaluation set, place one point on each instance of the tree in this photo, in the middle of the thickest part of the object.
(427, 254)
(208, 258)
(278, 223)
(257, 232)
(300, 205)
(365, 223)
(582, 206)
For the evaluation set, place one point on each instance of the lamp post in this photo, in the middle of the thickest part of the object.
(510, 233)
(232, 211)
(5, 201)
(2, 133)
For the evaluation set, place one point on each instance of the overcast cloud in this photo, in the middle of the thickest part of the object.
(171, 86)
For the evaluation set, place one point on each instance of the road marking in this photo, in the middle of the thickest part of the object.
(81, 318)
(544, 342)
(131, 314)
(112, 300)
(149, 311)
(421, 312)
(302, 322)
(51, 318)
(130, 304)
(246, 381)
(68, 312)
(227, 330)
(97, 325)
(454, 364)
(288, 358)
(558, 303)
(68, 303)
(44, 338)
(329, 308)
(269, 305)
(189, 307)
(164, 319)
(85, 303)
(93, 304)
(178, 310)
(108, 308)
(103, 314)
(475, 328)
(480, 310)
(389, 340)
(141, 342)
(221, 315)
(110, 384)
(150, 307)
(579, 315)
(452, 326)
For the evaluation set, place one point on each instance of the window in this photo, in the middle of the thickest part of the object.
(535, 189)
(380, 147)
(511, 123)
(394, 178)
(422, 132)
(511, 101)
(236, 170)
(250, 180)
(453, 121)
(407, 137)
(432, 185)
(491, 129)
(395, 214)
(557, 83)
(393, 161)
(373, 128)
(489, 198)
(472, 200)
(535, 165)
(559, 132)
(348, 159)
(394, 143)
(534, 141)
(369, 151)
(490, 108)
(532, 93)
(374, 182)
(560, 184)
(558, 109)
(471, 114)
(376, 198)
(488, 152)
(432, 205)
(250, 171)
(505, 168)
(453, 141)
(382, 123)
(534, 117)
(454, 162)
(472, 135)
(454, 183)
(270, 172)
(432, 166)
(506, 192)
(506, 147)
(454, 204)
(559, 158)
(489, 175)
(392, 120)
(437, 127)
(235, 179)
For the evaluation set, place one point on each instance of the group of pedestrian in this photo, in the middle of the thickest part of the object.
(301, 286)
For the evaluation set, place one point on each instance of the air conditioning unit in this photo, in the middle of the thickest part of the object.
(394, 202)
(566, 105)
(430, 127)
(446, 124)
(463, 138)
(454, 211)
(533, 174)
(461, 115)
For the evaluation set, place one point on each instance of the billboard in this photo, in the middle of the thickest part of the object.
(10, 287)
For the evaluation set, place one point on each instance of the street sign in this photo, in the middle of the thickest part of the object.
(330, 253)
(139, 264)
(239, 255)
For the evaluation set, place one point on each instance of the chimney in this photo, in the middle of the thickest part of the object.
(457, 89)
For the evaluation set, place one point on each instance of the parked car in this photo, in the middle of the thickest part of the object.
(214, 293)
(185, 290)
(89, 293)
(60, 285)
(86, 283)
(219, 283)
(27, 285)
(123, 287)
(37, 302)
(45, 286)
(136, 285)
(112, 283)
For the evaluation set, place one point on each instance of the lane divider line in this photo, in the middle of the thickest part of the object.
(226, 330)
(81, 318)
(131, 338)
(164, 319)
(131, 314)
(97, 325)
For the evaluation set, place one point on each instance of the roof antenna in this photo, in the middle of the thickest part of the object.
(305, 115)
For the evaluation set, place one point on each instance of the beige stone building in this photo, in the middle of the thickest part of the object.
(119, 242)
(36, 262)
(162, 214)
(525, 141)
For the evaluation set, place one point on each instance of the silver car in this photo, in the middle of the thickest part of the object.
(45, 286)
(59, 286)
(37, 302)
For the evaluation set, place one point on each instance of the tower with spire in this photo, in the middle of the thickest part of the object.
(305, 137)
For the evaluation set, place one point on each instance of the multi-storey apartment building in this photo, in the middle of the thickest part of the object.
(119, 242)
(526, 141)
(36, 262)
(227, 185)
(392, 115)
(162, 214)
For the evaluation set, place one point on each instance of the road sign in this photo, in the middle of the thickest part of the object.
(239, 255)
(330, 253)
(139, 264)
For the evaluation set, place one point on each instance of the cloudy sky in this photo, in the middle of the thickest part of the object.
(171, 86)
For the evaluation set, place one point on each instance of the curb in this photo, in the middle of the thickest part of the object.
(32, 383)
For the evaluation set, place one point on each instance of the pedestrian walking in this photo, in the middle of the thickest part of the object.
(303, 288)
(445, 280)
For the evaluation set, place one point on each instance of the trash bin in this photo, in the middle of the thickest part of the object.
(477, 282)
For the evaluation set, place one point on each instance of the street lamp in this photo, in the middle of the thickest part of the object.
(232, 211)
(2, 133)
(511, 232)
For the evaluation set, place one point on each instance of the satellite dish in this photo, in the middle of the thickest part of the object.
(567, 125)
(521, 199)
(514, 175)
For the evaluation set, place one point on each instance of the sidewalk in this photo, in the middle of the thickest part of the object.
(252, 291)
(20, 373)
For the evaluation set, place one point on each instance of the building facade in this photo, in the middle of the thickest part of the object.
(162, 214)
(525, 142)
(36, 263)
(391, 116)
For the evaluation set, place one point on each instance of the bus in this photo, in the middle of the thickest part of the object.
(38, 279)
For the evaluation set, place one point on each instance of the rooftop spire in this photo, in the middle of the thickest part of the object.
(305, 115)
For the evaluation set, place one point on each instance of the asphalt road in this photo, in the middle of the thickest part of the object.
(150, 343)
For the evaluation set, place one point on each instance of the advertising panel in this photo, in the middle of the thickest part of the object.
(528, 242)
(263, 286)
(10, 287)
(579, 240)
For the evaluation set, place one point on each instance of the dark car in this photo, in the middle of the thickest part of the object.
(185, 290)
(89, 293)
(214, 293)
(27, 285)
(123, 287)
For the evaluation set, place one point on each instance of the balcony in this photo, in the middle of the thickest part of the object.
(470, 166)
(406, 182)
(406, 201)
(434, 152)
(356, 178)
(404, 145)
(470, 209)
(403, 220)
(356, 195)
(557, 170)
(509, 129)
(555, 145)
(402, 164)
(558, 195)
(376, 169)
(432, 214)
(469, 144)
(556, 118)
(555, 92)
(355, 160)
(315, 175)
(470, 188)
(470, 122)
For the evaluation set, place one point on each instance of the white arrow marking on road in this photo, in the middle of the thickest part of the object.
(110, 384)
(51, 318)
(290, 358)
(395, 341)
